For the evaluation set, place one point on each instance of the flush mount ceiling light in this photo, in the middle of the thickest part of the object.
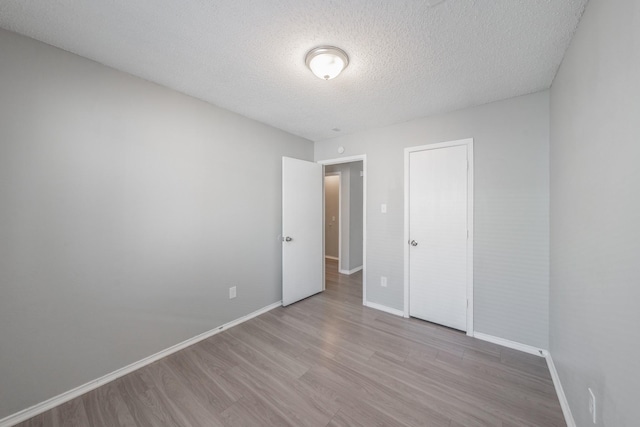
(327, 62)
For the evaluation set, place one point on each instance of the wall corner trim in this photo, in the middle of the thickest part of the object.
(350, 272)
(41, 407)
(511, 344)
(384, 308)
(564, 403)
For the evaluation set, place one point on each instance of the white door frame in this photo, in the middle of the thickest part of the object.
(339, 175)
(363, 159)
(407, 152)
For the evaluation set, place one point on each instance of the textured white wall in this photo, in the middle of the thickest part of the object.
(595, 212)
(511, 148)
(248, 55)
(124, 219)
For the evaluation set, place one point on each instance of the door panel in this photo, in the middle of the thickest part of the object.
(438, 232)
(302, 257)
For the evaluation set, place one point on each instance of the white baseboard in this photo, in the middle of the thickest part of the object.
(511, 344)
(331, 257)
(39, 408)
(349, 272)
(564, 403)
(384, 308)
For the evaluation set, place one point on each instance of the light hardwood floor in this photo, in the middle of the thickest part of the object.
(327, 361)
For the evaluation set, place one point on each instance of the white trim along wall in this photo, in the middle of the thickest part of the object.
(41, 407)
(350, 272)
(564, 403)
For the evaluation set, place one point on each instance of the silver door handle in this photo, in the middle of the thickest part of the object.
(414, 243)
(288, 239)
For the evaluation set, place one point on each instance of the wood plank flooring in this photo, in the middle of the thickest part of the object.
(327, 361)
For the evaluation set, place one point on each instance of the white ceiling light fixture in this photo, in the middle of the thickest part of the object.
(327, 62)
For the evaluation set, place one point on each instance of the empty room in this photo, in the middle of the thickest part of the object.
(319, 213)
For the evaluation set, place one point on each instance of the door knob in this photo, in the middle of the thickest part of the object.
(414, 243)
(288, 239)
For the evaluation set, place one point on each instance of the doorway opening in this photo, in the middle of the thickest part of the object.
(345, 225)
(332, 216)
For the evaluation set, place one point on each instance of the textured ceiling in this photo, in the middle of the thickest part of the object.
(408, 58)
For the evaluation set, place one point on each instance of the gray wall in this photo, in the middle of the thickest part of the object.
(124, 219)
(332, 216)
(511, 209)
(351, 213)
(595, 212)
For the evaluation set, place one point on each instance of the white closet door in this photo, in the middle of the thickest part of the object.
(438, 236)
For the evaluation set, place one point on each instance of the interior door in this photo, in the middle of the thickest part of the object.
(302, 246)
(438, 235)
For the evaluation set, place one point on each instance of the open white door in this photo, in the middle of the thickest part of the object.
(302, 257)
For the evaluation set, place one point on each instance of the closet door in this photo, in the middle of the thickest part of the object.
(438, 235)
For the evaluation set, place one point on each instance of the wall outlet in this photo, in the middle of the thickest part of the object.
(383, 208)
(383, 281)
(232, 292)
(592, 405)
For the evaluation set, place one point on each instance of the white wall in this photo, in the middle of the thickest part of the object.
(124, 219)
(595, 212)
(511, 209)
